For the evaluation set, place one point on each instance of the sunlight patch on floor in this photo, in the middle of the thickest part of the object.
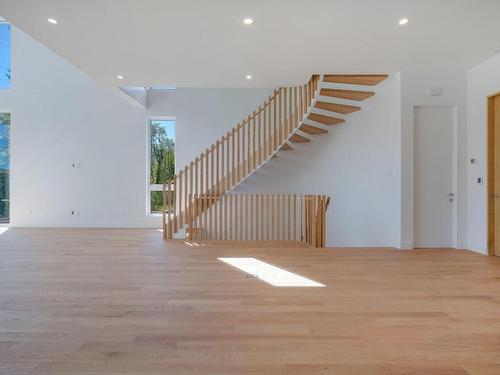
(3, 230)
(270, 274)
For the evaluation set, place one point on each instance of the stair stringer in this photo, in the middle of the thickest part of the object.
(287, 139)
(242, 171)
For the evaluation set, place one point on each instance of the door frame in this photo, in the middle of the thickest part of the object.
(491, 171)
(455, 169)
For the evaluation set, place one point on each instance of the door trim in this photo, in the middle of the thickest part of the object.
(491, 172)
(455, 170)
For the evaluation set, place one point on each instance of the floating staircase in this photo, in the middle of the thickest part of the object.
(291, 115)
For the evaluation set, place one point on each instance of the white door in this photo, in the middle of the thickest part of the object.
(434, 176)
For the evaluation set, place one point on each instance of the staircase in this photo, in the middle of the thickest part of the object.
(289, 116)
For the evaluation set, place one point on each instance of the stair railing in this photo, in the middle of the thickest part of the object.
(258, 217)
(237, 154)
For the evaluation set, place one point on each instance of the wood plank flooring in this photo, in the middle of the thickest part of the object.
(125, 302)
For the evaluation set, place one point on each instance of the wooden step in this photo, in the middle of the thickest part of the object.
(295, 138)
(336, 107)
(355, 79)
(286, 147)
(346, 94)
(325, 120)
(312, 130)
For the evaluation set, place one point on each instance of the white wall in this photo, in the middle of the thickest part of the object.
(60, 116)
(203, 115)
(483, 80)
(414, 84)
(357, 164)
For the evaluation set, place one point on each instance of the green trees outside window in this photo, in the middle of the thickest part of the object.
(4, 167)
(162, 162)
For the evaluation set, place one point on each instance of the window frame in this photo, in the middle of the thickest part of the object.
(7, 223)
(154, 187)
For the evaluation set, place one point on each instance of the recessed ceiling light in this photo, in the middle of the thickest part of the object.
(248, 76)
(248, 21)
(53, 21)
(403, 21)
(119, 77)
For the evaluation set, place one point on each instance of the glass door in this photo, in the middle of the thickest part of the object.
(4, 167)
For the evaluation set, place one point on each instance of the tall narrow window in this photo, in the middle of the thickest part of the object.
(4, 167)
(161, 160)
(5, 69)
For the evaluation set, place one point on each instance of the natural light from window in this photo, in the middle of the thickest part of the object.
(161, 159)
(5, 69)
(270, 274)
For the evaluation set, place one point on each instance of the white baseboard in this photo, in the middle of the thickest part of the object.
(406, 245)
(477, 248)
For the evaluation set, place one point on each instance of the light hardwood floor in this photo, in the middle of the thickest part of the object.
(125, 302)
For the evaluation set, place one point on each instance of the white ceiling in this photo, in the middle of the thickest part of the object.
(204, 42)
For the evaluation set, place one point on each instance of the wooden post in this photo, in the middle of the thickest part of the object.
(241, 216)
(248, 166)
(227, 183)
(207, 173)
(278, 218)
(238, 156)
(259, 148)
(268, 219)
(230, 197)
(225, 217)
(251, 217)
(272, 218)
(254, 165)
(233, 169)
(262, 216)
(179, 199)
(294, 109)
(283, 231)
(280, 120)
(243, 152)
(275, 139)
(295, 217)
(175, 204)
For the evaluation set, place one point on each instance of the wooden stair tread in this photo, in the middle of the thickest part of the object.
(336, 107)
(346, 94)
(325, 120)
(355, 79)
(295, 138)
(286, 147)
(312, 130)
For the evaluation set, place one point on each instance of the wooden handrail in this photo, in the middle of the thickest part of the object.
(282, 217)
(238, 153)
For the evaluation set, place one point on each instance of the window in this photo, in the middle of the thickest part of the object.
(161, 159)
(5, 69)
(4, 167)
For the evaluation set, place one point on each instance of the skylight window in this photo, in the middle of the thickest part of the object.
(160, 88)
